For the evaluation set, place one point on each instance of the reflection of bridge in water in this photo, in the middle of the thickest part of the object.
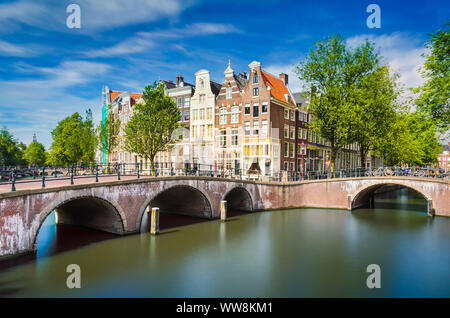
(118, 206)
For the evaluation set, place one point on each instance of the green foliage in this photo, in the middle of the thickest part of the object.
(434, 95)
(336, 75)
(377, 105)
(108, 133)
(152, 124)
(74, 140)
(35, 153)
(11, 151)
(411, 139)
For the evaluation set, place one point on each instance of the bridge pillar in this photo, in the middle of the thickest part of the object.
(430, 209)
(223, 210)
(154, 226)
(349, 202)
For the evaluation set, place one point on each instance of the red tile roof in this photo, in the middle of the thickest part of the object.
(134, 96)
(277, 87)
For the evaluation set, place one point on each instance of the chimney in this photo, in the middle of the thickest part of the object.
(180, 80)
(284, 78)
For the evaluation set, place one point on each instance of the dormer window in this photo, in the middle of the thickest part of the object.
(229, 92)
(255, 79)
(255, 91)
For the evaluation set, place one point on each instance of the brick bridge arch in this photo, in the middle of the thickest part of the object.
(197, 204)
(61, 205)
(364, 194)
(239, 198)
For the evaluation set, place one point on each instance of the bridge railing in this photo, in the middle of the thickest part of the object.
(69, 174)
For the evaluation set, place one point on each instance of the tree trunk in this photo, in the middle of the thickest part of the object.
(363, 153)
(152, 164)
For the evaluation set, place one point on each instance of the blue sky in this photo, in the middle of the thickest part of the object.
(49, 71)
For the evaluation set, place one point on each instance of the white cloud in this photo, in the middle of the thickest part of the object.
(402, 52)
(11, 49)
(95, 14)
(294, 83)
(143, 41)
(36, 105)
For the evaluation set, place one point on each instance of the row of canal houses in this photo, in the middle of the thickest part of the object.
(250, 123)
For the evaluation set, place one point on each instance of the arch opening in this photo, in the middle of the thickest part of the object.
(392, 196)
(179, 205)
(75, 223)
(239, 201)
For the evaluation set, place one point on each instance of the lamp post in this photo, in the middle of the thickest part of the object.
(303, 148)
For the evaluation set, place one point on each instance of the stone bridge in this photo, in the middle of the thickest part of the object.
(119, 206)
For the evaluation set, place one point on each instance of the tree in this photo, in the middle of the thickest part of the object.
(378, 104)
(335, 75)
(11, 152)
(434, 95)
(74, 140)
(108, 133)
(411, 139)
(152, 124)
(35, 153)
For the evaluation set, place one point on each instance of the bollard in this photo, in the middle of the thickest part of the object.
(43, 178)
(118, 172)
(154, 221)
(138, 172)
(96, 174)
(13, 181)
(71, 175)
(223, 210)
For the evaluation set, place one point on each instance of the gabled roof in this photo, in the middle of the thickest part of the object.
(240, 82)
(277, 88)
(215, 87)
(133, 96)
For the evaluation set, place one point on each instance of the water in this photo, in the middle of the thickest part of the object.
(289, 253)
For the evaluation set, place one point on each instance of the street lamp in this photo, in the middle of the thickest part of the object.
(303, 148)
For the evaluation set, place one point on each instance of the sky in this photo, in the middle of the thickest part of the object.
(49, 71)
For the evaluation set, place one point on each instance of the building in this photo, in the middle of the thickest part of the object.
(203, 104)
(444, 158)
(181, 92)
(122, 107)
(229, 128)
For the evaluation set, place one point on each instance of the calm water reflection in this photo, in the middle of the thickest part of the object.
(289, 253)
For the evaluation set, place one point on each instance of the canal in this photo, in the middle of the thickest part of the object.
(287, 253)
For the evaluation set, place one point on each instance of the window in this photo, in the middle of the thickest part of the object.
(223, 138)
(292, 132)
(234, 115)
(234, 137)
(247, 128)
(286, 131)
(202, 98)
(209, 113)
(210, 130)
(180, 101)
(255, 127)
(286, 149)
(223, 116)
(202, 84)
(247, 109)
(195, 114)
(187, 101)
(286, 165)
(292, 166)
(255, 110)
(300, 133)
(286, 114)
(186, 115)
(229, 92)
(202, 114)
(264, 108)
(255, 79)
(291, 149)
(292, 112)
(255, 91)
(264, 128)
